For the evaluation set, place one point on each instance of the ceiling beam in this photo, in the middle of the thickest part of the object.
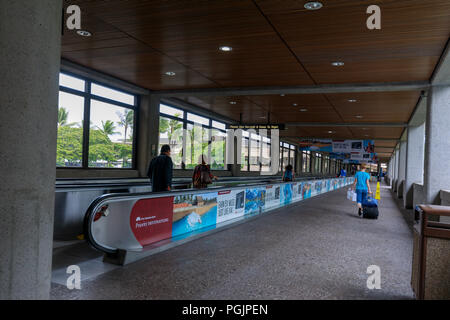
(343, 124)
(316, 89)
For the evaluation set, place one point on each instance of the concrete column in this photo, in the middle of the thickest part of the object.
(148, 134)
(30, 42)
(414, 162)
(437, 144)
(396, 167)
(401, 168)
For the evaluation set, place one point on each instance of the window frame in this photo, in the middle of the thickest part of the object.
(88, 96)
(185, 122)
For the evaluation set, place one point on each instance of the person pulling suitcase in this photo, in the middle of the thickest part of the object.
(362, 188)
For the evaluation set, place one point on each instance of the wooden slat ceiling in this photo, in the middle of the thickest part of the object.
(275, 43)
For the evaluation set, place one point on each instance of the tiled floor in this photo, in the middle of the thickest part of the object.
(317, 249)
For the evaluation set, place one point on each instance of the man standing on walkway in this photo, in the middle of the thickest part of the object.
(362, 184)
(160, 171)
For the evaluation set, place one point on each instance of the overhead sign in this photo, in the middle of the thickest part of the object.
(256, 126)
(350, 151)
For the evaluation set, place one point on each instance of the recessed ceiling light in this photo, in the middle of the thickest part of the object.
(337, 63)
(313, 5)
(170, 73)
(84, 33)
(303, 110)
(352, 100)
(225, 48)
(233, 102)
(330, 131)
(359, 117)
(282, 95)
(294, 104)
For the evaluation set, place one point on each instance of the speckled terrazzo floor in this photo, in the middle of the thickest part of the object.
(317, 249)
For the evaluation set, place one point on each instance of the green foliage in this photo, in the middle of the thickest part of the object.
(101, 148)
(63, 115)
(108, 128)
(69, 146)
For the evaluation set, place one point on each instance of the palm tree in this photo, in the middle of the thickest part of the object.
(108, 128)
(63, 115)
(126, 121)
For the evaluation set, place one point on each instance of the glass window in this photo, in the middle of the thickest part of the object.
(112, 94)
(198, 119)
(110, 136)
(69, 151)
(255, 149)
(218, 125)
(218, 140)
(265, 159)
(285, 158)
(325, 165)
(318, 163)
(292, 158)
(196, 145)
(71, 82)
(110, 130)
(171, 133)
(244, 154)
(171, 111)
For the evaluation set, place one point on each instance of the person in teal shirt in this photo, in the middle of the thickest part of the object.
(361, 187)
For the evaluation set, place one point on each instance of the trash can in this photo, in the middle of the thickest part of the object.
(430, 277)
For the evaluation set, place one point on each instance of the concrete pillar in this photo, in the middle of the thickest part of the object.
(401, 168)
(397, 167)
(30, 42)
(148, 134)
(414, 162)
(437, 144)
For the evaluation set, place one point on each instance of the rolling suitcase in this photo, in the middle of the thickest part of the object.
(370, 208)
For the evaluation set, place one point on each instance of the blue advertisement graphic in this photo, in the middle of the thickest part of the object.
(254, 200)
(194, 212)
(286, 194)
(306, 190)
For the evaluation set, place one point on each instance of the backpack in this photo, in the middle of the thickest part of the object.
(201, 177)
(287, 176)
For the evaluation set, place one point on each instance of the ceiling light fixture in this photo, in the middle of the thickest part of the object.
(303, 110)
(352, 100)
(84, 33)
(337, 63)
(294, 104)
(170, 73)
(313, 5)
(359, 117)
(225, 48)
(282, 95)
(233, 102)
(330, 131)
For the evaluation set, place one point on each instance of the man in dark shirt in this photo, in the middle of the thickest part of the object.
(160, 170)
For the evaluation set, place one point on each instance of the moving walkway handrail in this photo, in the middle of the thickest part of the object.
(98, 203)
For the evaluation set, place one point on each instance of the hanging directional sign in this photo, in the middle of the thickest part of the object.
(258, 126)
